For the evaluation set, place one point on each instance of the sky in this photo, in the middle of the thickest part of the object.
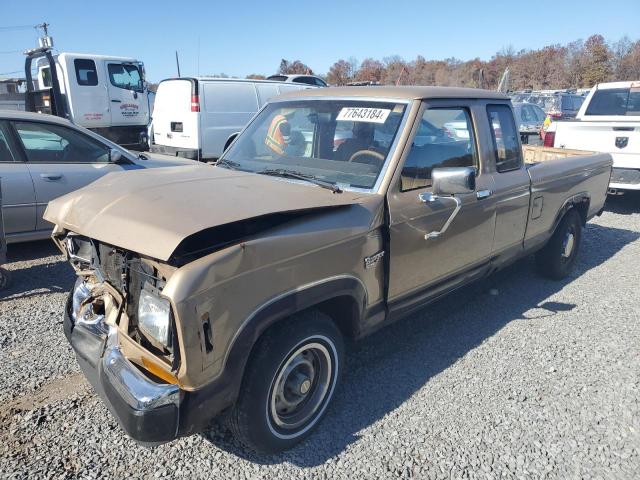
(243, 37)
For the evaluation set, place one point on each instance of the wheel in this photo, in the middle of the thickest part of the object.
(558, 257)
(288, 383)
(4, 278)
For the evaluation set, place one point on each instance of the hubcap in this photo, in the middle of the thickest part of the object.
(301, 386)
(567, 245)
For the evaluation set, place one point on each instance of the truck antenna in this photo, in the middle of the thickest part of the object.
(178, 64)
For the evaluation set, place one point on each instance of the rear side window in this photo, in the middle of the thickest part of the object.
(444, 139)
(505, 138)
(86, 73)
(615, 101)
(279, 78)
(220, 97)
(305, 80)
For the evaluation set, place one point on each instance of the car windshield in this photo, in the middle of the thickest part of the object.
(344, 142)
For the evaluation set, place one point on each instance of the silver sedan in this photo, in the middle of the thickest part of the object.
(43, 157)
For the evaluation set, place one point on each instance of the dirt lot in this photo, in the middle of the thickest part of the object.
(514, 377)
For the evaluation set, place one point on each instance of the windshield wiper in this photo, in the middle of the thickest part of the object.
(230, 164)
(281, 172)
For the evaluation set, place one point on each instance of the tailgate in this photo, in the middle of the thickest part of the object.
(174, 124)
(620, 139)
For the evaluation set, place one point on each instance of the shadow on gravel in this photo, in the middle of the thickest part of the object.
(386, 369)
(626, 204)
(37, 279)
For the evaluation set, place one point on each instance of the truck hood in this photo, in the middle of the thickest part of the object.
(151, 211)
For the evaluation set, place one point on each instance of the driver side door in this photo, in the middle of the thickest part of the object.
(421, 267)
(60, 160)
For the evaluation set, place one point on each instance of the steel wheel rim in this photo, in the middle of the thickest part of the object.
(301, 388)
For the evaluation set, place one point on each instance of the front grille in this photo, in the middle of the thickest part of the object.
(625, 175)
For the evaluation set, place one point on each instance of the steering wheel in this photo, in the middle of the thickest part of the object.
(366, 153)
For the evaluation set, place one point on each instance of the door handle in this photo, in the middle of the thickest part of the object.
(430, 197)
(482, 194)
(116, 101)
(51, 176)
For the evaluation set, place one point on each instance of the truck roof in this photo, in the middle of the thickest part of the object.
(98, 57)
(408, 93)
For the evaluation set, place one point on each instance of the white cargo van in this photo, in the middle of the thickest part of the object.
(103, 93)
(199, 117)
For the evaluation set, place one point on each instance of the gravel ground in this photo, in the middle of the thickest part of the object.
(514, 377)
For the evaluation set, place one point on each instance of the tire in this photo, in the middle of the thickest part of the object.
(557, 258)
(301, 357)
(5, 278)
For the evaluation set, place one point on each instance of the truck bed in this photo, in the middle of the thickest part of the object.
(558, 176)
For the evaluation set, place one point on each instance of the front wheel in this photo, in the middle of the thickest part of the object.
(289, 383)
(558, 257)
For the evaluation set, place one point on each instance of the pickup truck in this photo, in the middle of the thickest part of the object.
(608, 121)
(231, 290)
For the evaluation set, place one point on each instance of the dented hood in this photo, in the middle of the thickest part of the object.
(152, 211)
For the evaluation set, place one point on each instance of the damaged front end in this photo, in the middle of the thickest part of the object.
(122, 331)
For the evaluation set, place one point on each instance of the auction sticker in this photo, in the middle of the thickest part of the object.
(363, 114)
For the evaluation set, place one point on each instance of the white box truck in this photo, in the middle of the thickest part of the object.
(106, 94)
(198, 118)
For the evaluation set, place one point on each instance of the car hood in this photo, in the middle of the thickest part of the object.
(151, 211)
(153, 160)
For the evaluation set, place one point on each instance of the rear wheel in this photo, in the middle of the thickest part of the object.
(558, 257)
(4, 278)
(289, 383)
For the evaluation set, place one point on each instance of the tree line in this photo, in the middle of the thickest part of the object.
(579, 64)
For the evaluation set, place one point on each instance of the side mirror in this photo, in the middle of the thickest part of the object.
(115, 155)
(452, 181)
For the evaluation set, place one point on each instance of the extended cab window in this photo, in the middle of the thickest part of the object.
(615, 101)
(50, 143)
(505, 138)
(126, 76)
(444, 139)
(86, 72)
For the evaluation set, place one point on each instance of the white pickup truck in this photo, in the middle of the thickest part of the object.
(609, 121)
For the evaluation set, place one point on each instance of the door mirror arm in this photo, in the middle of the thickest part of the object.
(429, 197)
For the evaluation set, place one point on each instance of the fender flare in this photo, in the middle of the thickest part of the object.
(283, 306)
(569, 203)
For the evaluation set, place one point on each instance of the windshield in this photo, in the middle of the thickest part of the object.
(344, 142)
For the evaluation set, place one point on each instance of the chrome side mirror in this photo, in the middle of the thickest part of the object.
(452, 181)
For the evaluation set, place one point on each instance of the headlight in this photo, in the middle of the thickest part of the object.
(154, 317)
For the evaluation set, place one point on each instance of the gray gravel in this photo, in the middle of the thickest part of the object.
(514, 377)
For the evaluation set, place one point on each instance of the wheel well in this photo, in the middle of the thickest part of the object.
(583, 209)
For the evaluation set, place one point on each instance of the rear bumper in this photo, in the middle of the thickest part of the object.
(151, 413)
(190, 153)
(625, 179)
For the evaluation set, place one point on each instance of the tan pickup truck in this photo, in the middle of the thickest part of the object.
(229, 290)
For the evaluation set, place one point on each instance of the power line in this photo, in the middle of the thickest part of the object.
(6, 52)
(11, 73)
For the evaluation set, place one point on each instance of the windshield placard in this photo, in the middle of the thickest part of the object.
(363, 114)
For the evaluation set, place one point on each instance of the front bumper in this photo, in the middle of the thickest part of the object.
(148, 411)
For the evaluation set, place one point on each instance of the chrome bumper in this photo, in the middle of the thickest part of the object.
(148, 411)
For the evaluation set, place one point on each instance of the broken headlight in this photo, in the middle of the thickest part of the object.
(154, 317)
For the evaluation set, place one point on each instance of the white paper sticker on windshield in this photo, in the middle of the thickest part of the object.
(363, 114)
